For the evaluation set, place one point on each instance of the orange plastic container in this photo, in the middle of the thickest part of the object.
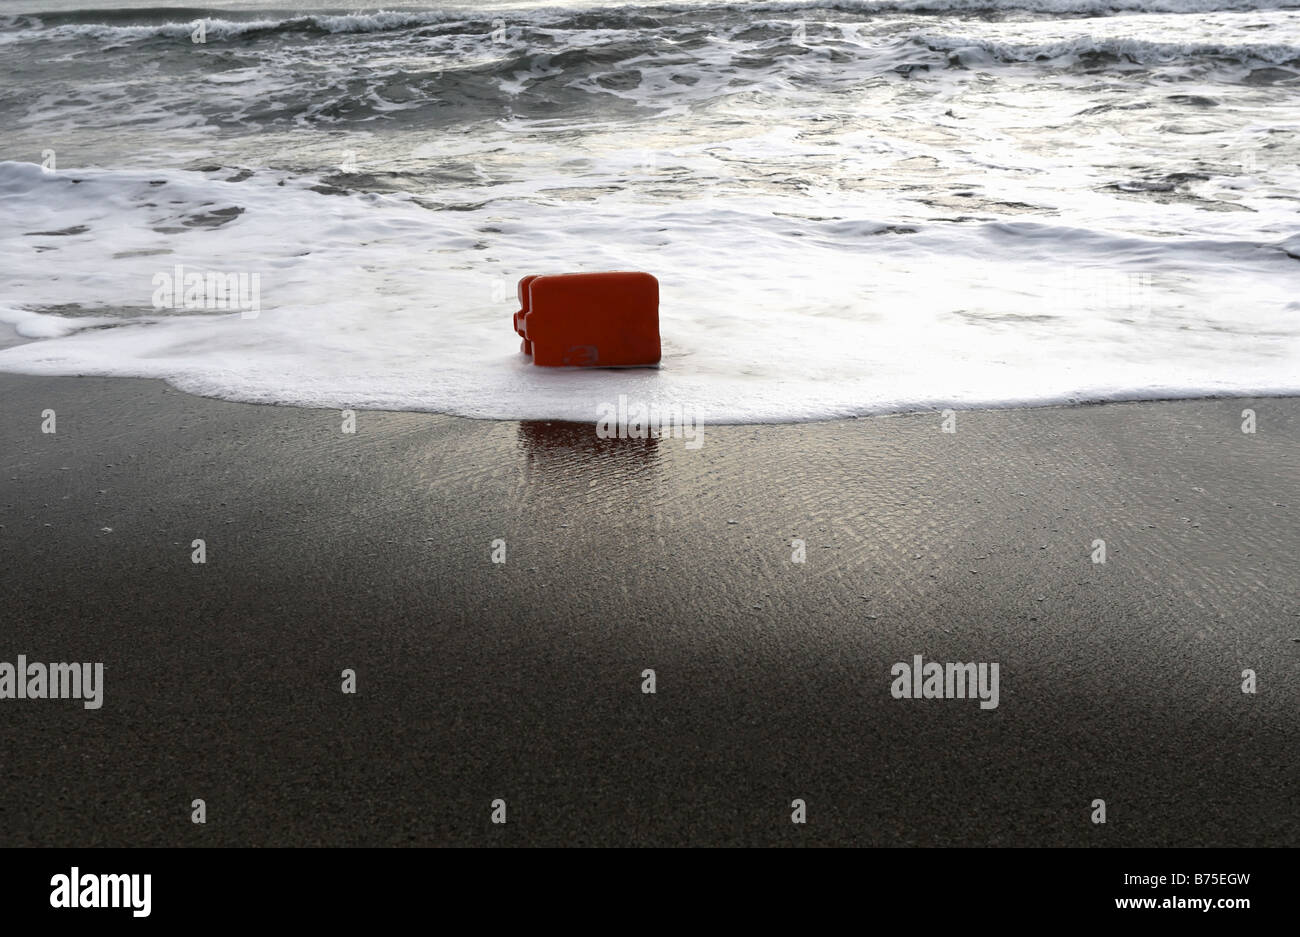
(590, 320)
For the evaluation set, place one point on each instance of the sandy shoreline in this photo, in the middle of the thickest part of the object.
(522, 680)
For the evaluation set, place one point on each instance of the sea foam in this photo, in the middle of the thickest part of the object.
(375, 301)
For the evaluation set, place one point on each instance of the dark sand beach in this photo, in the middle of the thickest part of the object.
(522, 680)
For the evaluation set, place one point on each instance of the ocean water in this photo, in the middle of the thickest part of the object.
(851, 207)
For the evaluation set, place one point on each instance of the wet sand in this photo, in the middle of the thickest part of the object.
(523, 680)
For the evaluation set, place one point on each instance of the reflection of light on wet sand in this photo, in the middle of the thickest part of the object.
(562, 451)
